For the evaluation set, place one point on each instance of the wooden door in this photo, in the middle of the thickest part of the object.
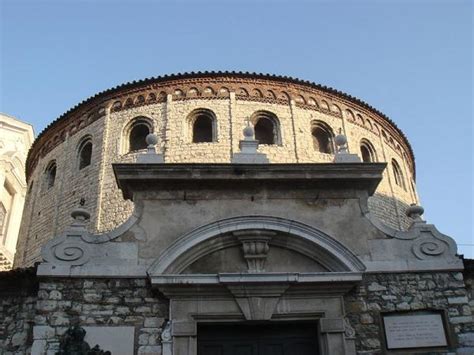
(274, 339)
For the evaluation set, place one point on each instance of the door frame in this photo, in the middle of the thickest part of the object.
(192, 303)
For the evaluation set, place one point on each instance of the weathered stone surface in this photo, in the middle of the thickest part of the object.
(143, 339)
(19, 339)
(463, 319)
(170, 120)
(38, 347)
(366, 318)
(47, 305)
(404, 306)
(55, 295)
(466, 339)
(457, 300)
(149, 350)
(153, 322)
(117, 340)
(391, 292)
(43, 332)
(97, 318)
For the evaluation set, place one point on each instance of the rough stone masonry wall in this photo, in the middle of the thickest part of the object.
(47, 211)
(409, 292)
(171, 123)
(88, 302)
(469, 281)
(60, 303)
(18, 289)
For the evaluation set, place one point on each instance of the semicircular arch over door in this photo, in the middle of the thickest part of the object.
(293, 235)
(248, 269)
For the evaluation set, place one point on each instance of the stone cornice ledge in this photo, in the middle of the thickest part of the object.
(255, 278)
(135, 177)
(123, 270)
(391, 266)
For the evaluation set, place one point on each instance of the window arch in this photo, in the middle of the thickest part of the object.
(323, 137)
(398, 175)
(84, 152)
(367, 152)
(203, 126)
(266, 127)
(50, 174)
(136, 133)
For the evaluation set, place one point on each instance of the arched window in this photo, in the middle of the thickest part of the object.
(50, 174)
(266, 127)
(203, 124)
(323, 137)
(136, 133)
(367, 152)
(398, 175)
(85, 153)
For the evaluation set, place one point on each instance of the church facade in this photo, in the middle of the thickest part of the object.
(261, 216)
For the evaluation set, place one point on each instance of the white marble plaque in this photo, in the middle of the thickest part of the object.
(117, 340)
(414, 331)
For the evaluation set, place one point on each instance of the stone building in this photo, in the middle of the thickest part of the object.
(295, 122)
(16, 138)
(265, 215)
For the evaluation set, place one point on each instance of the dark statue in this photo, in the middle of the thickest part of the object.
(72, 343)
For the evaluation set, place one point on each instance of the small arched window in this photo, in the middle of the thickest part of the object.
(85, 153)
(398, 175)
(323, 137)
(266, 127)
(203, 123)
(50, 174)
(137, 132)
(367, 152)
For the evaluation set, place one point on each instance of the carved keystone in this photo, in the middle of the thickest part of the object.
(255, 247)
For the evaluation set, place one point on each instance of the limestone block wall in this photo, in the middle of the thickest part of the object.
(378, 293)
(18, 296)
(35, 320)
(469, 281)
(47, 210)
(167, 104)
(98, 302)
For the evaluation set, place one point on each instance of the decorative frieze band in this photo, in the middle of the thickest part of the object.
(246, 89)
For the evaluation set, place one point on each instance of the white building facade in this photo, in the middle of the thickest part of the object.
(16, 138)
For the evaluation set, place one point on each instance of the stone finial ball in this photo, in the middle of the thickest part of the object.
(340, 139)
(248, 132)
(80, 213)
(151, 139)
(414, 210)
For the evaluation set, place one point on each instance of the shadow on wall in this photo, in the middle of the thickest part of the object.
(18, 296)
(390, 211)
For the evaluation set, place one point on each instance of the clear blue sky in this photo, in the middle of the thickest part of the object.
(410, 59)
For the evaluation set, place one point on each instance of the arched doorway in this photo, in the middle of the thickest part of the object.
(250, 271)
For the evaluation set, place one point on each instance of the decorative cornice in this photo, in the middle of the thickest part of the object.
(342, 176)
(213, 85)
